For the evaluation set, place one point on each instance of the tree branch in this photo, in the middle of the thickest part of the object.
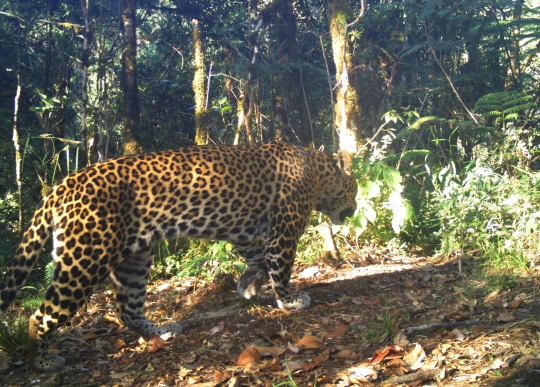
(448, 78)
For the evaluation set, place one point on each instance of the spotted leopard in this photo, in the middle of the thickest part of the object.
(105, 218)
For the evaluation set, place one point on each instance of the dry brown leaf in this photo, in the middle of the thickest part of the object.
(373, 302)
(127, 360)
(505, 318)
(344, 354)
(499, 303)
(291, 366)
(75, 321)
(156, 343)
(430, 365)
(162, 287)
(269, 351)
(119, 375)
(415, 357)
(293, 348)
(301, 285)
(469, 303)
(189, 358)
(426, 268)
(479, 329)
(220, 377)
(448, 278)
(309, 342)
(396, 363)
(318, 360)
(271, 366)
(456, 334)
(119, 344)
(89, 336)
(338, 330)
(248, 355)
(401, 340)
(389, 352)
(204, 384)
(516, 303)
(113, 319)
(362, 374)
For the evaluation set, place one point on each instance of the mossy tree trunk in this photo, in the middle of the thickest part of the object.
(132, 143)
(16, 142)
(347, 110)
(201, 113)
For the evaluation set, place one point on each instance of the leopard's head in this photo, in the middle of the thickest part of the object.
(338, 201)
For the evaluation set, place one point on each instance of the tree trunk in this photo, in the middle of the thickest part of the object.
(83, 154)
(201, 114)
(16, 145)
(132, 143)
(347, 111)
(288, 85)
(514, 65)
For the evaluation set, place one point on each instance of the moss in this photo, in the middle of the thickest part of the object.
(201, 115)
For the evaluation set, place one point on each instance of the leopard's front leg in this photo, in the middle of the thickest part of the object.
(280, 250)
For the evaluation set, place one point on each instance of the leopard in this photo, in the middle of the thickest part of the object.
(104, 219)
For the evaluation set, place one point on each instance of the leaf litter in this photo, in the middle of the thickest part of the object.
(395, 320)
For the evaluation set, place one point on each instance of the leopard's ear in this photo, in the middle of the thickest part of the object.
(344, 161)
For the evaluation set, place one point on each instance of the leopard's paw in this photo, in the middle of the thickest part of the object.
(251, 281)
(296, 301)
(170, 330)
(48, 362)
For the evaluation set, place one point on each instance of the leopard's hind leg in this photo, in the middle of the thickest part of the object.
(256, 275)
(130, 279)
(70, 288)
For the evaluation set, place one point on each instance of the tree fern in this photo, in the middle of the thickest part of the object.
(504, 106)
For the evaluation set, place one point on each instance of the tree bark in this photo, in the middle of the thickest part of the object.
(132, 143)
(83, 154)
(347, 110)
(288, 85)
(16, 145)
(201, 113)
(514, 65)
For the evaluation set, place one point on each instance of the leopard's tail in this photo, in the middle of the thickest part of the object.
(31, 247)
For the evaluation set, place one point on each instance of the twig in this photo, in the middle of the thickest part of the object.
(448, 79)
(308, 112)
(435, 374)
(208, 85)
(268, 339)
(451, 324)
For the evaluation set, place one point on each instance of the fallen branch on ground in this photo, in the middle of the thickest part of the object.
(450, 324)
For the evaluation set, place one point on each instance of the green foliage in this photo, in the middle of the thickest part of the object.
(379, 201)
(496, 215)
(505, 106)
(13, 334)
(204, 259)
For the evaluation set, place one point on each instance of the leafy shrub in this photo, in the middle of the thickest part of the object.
(202, 258)
(494, 214)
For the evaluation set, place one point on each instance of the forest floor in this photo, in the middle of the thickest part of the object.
(379, 319)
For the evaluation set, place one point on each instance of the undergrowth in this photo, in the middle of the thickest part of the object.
(13, 334)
